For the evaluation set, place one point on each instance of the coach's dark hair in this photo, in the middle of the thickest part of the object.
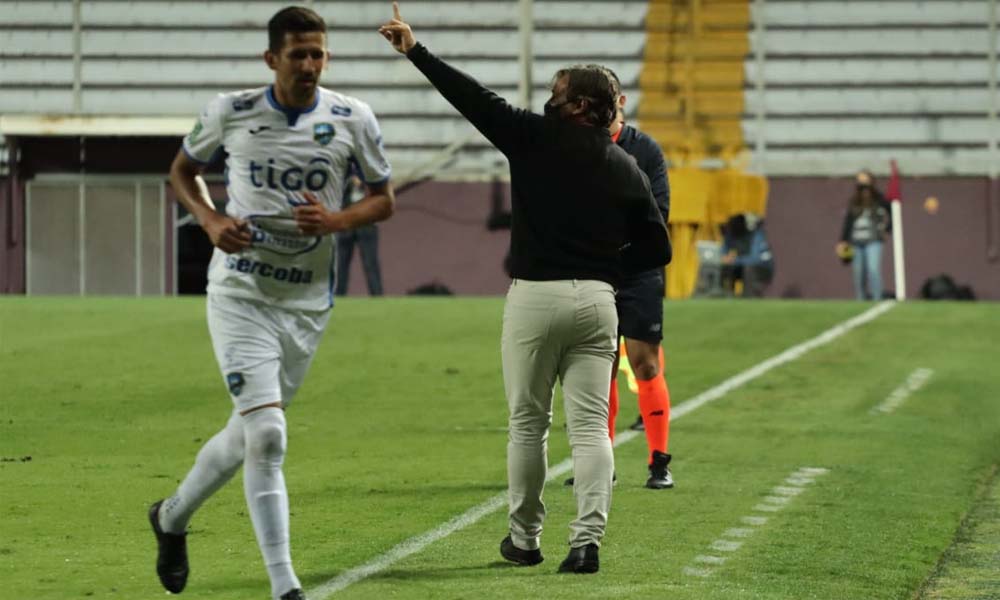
(293, 19)
(597, 85)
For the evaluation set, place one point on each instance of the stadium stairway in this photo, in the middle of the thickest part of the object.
(692, 84)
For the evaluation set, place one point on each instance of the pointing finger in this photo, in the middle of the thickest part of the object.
(310, 198)
(395, 11)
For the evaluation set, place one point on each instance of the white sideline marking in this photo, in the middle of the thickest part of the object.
(914, 382)
(737, 532)
(787, 491)
(779, 500)
(419, 542)
(724, 545)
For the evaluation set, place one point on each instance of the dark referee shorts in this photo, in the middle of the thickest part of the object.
(640, 307)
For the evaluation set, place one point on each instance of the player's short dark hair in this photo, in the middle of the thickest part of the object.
(598, 86)
(292, 19)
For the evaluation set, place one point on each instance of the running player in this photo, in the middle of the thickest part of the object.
(272, 276)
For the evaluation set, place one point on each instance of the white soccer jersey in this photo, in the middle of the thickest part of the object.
(275, 154)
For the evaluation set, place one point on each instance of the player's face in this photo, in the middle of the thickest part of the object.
(299, 64)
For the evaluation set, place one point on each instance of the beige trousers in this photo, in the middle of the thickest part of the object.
(565, 330)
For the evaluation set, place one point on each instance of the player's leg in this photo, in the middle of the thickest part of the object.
(585, 371)
(240, 342)
(345, 250)
(298, 334)
(216, 463)
(368, 242)
(530, 362)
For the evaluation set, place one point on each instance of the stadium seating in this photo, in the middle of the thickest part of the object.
(846, 89)
(158, 57)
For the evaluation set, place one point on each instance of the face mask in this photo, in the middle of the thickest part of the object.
(552, 110)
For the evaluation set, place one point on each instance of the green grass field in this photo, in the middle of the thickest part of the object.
(400, 427)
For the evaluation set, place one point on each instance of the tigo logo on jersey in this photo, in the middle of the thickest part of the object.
(292, 179)
(323, 133)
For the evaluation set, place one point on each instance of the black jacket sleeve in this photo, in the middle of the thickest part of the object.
(648, 241)
(656, 169)
(845, 230)
(504, 126)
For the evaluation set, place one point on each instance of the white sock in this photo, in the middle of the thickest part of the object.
(267, 498)
(217, 462)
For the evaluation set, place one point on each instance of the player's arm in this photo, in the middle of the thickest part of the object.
(316, 219)
(659, 184)
(488, 112)
(226, 233)
(648, 240)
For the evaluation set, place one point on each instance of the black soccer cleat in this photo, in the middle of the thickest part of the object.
(525, 558)
(638, 425)
(296, 594)
(171, 557)
(581, 560)
(659, 472)
(572, 480)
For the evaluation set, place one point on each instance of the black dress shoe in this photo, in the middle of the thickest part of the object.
(526, 558)
(581, 560)
(171, 557)
(296, 594)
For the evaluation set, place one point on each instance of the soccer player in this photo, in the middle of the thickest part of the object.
(581, 210)
(271, 277)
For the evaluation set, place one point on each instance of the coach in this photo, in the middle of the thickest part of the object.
(582, 212)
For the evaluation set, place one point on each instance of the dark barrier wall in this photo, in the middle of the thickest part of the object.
(11, 236)
(439, 232)
(804, 222)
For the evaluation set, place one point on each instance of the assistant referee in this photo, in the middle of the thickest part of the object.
(582, 212)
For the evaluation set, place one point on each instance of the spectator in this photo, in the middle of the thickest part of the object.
(866, 224)
(364, 237)
(746, 255)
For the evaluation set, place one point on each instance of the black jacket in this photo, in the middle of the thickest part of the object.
(580, 207)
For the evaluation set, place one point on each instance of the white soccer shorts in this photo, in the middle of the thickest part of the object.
(263, 351)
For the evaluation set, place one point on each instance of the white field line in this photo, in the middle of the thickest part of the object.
(914, 382)
(727, 543)
(474, 514)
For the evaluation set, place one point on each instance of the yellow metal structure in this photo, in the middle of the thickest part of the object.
(692, 83)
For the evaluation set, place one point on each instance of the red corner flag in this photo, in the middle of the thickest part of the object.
(894, 192)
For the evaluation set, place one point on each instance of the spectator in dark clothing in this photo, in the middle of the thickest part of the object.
(364, 237)
(746, 255)
(582, 218)
(866, 223)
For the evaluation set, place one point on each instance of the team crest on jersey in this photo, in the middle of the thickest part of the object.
(194, 132)
(235, 383)
(323, 133)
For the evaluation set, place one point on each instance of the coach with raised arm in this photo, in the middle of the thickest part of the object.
(582, 215)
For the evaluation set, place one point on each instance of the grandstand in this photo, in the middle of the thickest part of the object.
(802, 92)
